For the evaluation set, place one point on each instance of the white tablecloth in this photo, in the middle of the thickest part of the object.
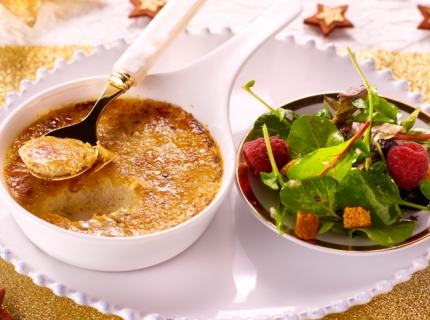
(378, 24)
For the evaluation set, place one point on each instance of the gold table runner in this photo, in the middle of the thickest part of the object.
(25, 300)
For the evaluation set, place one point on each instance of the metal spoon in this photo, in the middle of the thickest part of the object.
(128, 71)
(134, 64)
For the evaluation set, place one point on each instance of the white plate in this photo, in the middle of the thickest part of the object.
(238, 268)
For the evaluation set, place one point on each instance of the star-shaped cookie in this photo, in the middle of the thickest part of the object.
(148, 8)
(328, 19)
(425, 11)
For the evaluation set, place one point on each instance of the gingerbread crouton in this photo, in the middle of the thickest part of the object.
(356, 217)
(306, 227)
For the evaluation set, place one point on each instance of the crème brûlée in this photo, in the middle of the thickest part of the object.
(167, 168)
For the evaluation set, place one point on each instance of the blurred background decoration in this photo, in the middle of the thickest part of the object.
(148, 8)
(25, 10)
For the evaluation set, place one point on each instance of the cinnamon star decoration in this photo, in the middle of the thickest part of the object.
(148, 8)
(4, 315)
(425, 11)
(328, 19)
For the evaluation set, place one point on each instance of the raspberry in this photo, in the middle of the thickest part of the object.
(407, 164)
(255, 154)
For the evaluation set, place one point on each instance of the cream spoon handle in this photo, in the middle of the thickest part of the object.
(149, 46)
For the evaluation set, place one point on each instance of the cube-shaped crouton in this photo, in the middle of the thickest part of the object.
(356, 217)
(306, 225)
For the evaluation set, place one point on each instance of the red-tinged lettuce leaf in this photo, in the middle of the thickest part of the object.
(419, 135)
(335, 162)
(352, 94)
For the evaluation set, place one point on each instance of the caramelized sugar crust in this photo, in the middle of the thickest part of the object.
(167, 168)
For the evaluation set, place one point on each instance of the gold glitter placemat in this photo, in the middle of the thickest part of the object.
(410, 66)
(27, 301)
(18, 63)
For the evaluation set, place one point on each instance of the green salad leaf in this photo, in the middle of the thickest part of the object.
(280, 216)
(310, 195)
(388, 236)
(377, 117)
(326, 226)
(309, 133)
(269, 180)
(372, 190)
(278, 120)
(275, 126)
(359, 104)
(379, 165)
(323, 114)
(409, 122)
(425, 188)
(388, 109)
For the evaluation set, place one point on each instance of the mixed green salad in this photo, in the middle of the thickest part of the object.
(340, 161)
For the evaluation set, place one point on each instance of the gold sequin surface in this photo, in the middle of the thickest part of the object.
(21, 62)
(25, 300)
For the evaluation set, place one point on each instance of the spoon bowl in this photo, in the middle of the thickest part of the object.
(206, 100)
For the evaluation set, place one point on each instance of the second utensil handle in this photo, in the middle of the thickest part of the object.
(148, 47)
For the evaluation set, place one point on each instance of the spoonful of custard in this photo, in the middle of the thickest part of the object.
(52, 158)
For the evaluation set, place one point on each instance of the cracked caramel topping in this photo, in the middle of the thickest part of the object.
(167, 168)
